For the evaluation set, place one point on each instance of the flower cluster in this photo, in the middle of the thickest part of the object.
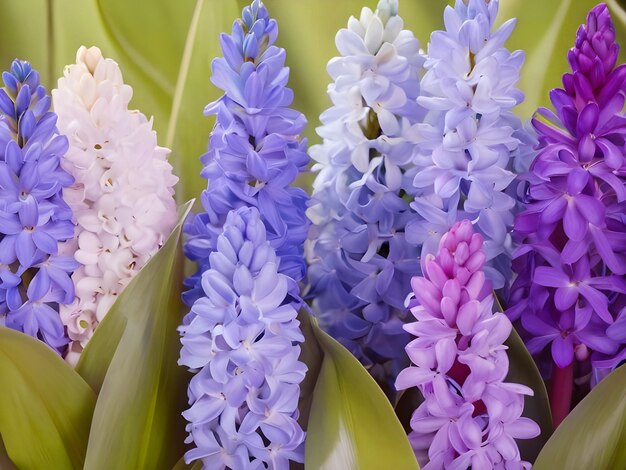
(255, 151)
(470, 139)
(360, 260)
(35, 220)
(122, 196)
(569, 293)
(470, 416)
(242, 338)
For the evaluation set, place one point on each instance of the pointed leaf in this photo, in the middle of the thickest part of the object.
(352, 424)
(46, 407)
(593, 434)
(137, 420)
(523, 370)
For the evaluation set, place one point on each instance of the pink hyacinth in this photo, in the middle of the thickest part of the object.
(470, 416)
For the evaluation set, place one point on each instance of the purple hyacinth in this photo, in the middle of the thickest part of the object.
(35, 220)
(470, 417)
(241, 337)
(569, 295)
(360, 261)
(255, 151)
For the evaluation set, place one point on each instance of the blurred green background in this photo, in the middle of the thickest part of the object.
(165, 47)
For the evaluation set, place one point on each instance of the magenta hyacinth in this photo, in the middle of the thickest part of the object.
(570, 291)
(470, 417)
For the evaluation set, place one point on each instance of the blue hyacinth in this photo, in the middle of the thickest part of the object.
(470, 143)
(255, 151)
(241, 336)
(361, 261)
(34, 218)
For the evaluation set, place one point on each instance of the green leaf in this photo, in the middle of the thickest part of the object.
(46, 407)
(523, 370)
(351, 423)
(593, 434)
(137, 420)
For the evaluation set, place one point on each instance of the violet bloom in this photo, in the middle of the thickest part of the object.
(360, 260)
(470, 143)
(255, 151)
(570, 290)
(34, 219)
(470, 417)
(241, 337)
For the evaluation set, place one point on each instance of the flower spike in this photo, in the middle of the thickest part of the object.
(122, 196)
(36, 220)
(470, 416)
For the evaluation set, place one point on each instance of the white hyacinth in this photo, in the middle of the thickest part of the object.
(123, 196)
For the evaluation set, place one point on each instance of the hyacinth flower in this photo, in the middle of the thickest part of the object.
(360, 261)
(569, 293)
(470, 416)
(470, 143)
(241, 337)
(122, 196)
(35, 220)
(255, 151)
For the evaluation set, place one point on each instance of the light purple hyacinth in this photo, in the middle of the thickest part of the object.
(470, 143)
(360, 261)
(255, 151)
(470, 417)
(570, 293)
(241, 337)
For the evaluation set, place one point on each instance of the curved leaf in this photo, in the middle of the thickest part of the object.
(523, 370)
(352, 424)
(46, 408)
(593, 434)
(132, 360)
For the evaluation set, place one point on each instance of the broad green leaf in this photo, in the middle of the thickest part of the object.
(46, 407)
(523, 370)
(137, 421)
(593, 434)
(312, 355)
(351, 423)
